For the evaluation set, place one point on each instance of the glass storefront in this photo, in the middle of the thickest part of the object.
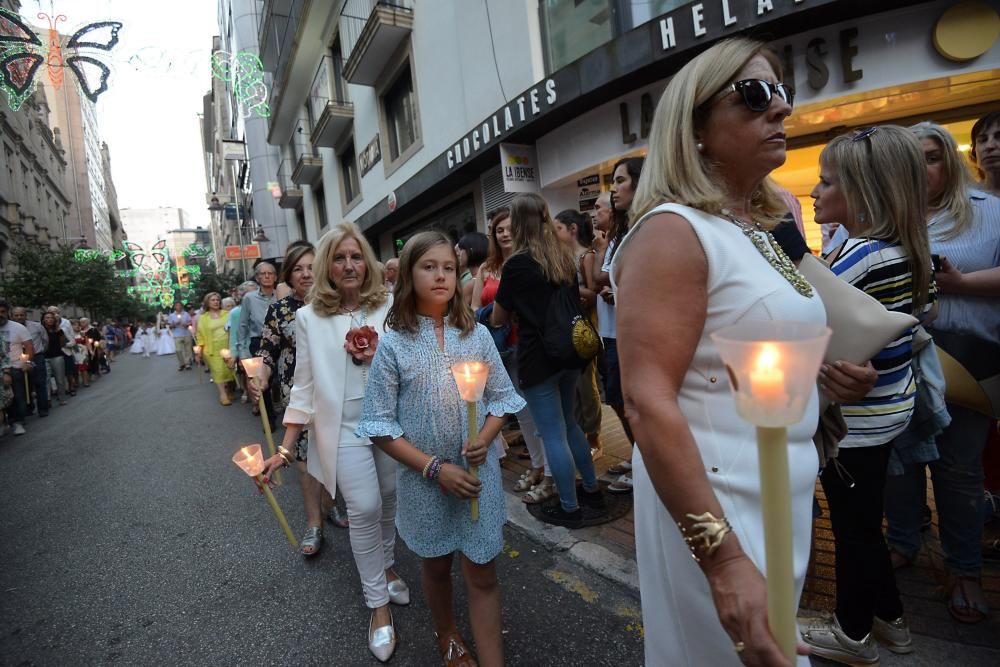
(455, 219)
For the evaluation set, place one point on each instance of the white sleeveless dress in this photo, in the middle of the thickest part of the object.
(679, 617)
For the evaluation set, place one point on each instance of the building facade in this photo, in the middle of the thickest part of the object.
(398, 115)
(241, 167)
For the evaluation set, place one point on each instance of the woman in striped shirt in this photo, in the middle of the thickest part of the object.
(964, 229)
(874, 183)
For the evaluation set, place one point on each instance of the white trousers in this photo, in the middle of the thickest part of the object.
(366, 477)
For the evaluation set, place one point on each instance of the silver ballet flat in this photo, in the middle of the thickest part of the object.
(381, 641)
(399, 592)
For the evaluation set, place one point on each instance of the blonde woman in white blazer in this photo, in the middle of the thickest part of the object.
(327, 396)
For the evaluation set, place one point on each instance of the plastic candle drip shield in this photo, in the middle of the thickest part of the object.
(249, 459)
(470, 376)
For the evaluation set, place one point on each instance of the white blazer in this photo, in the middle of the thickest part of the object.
(317, 396)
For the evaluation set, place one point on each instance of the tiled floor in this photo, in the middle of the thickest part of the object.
(922, 585)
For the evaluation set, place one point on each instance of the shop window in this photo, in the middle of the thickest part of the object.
(350, 184)
(454, 220)
(572, 28)
(399, 104)
(644, 11)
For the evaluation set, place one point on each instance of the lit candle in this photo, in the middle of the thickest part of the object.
(226, 354)
(251, 462)
(253, 367)
(470, 376)
(24, 366)
(767, 380)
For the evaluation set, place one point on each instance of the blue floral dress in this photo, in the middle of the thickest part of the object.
(412, 392)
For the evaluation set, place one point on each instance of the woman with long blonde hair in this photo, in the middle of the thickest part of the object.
(874, 183)
(538, 268)
(698, 258)
(336, 334)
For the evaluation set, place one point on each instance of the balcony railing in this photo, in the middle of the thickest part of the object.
(370, 33)
(329, 103)
(291, 193)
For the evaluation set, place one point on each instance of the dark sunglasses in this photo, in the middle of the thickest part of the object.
(757, 93)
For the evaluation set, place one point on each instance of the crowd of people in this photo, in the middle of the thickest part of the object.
(362, 366)
(45, 361)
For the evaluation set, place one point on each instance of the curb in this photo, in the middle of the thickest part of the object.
(590, 555)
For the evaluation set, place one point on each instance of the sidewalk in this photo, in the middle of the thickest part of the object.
(610, 550)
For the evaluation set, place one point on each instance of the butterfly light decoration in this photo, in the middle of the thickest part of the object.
(153, 266)
(245, 72)
(22, 54)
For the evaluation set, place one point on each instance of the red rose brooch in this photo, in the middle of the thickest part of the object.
(361, 343)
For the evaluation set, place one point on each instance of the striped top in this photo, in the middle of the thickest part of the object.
(976, 249)
(881, 269)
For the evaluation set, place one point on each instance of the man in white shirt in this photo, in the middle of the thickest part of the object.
(38, 376)
(18, 342)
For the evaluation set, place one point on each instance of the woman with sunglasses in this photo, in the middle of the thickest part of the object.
(698, 225)
(874, 183)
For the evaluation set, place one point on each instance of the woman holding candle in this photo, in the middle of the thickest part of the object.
(347, 299)
(277, 350)
(212, 338)
(539, 267)
(699, 220)
(874, 183)
(56, 341)
(964, 230)
(415, 413)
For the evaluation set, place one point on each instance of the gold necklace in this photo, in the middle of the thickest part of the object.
(772, 252)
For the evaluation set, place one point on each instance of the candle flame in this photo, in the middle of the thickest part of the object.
(768, 357)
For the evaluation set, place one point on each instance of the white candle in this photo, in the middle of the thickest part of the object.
(767, 380)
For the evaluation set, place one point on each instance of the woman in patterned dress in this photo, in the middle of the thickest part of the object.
(414, 412)
(277, 350)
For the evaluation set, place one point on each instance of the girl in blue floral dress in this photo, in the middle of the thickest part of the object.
(414, 412)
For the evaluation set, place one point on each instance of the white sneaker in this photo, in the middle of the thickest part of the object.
(828, 640)
(18, 429)
(894, 635)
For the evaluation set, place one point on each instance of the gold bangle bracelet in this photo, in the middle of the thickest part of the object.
(285, 455)
(706, 534)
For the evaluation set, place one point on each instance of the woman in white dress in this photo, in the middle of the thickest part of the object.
(164, 337)
(701, 210)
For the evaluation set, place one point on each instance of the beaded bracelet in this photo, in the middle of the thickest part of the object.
(435, 469)
(427, 467)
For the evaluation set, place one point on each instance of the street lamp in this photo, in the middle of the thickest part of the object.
(261, 237)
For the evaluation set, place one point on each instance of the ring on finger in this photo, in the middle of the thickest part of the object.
(739, 647)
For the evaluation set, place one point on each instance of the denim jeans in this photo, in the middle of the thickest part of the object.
(958, 493)
(566, 449)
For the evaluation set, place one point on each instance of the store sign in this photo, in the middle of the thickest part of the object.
(710, 20)
(242, 252)
(590, 190)
(646, 109)
(370, 156)
(817, 70)
(233, 149)
(519, 165)
(514, 114)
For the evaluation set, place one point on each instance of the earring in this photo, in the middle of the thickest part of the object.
(700, 146)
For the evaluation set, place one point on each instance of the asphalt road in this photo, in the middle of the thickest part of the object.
(127, 536)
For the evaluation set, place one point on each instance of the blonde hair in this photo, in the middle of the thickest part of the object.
(403, 311)
(324, 297)
(205, 299)
(955, 203)
(534, 235)
(884, 180)
(675, 171)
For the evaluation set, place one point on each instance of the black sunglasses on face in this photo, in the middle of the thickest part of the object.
(757, 93)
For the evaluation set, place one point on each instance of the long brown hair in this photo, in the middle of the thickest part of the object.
(534, 235)
(324, 297)
(494, 259)
(403, 314)
(884, 180)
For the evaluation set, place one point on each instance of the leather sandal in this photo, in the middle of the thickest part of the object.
(621, 468)
(311, 542)
(961, 605)
(454, 652)
(529, 479)
(541, 492)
